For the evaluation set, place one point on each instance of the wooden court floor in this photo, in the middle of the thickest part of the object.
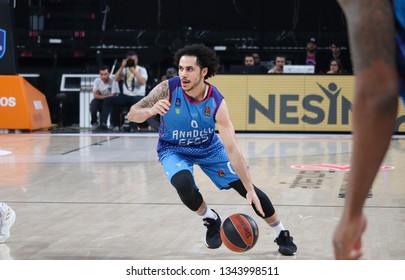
(104, 197)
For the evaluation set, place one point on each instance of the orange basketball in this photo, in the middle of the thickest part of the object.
(239, 232)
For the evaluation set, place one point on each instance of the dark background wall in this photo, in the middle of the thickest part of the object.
(268, 15)
(94, 32)
(165, 24)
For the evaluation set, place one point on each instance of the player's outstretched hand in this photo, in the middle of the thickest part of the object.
(252, 198)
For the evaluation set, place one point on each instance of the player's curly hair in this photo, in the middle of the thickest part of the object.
(206, 57)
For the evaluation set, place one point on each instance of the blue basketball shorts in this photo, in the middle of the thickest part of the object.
(217, 167)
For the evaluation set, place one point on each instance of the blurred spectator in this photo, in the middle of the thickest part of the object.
(334, 67)
(249, 60)
(343, 57)
(103, 87)
(171, 72)
(134, 78)
(248, 66)
(256, 58)
(311, 56)
(258, 62)
(279, 64)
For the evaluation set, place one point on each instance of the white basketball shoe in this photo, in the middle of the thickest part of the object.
(7, 219)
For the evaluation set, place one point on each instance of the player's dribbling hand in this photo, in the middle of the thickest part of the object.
(252, 198)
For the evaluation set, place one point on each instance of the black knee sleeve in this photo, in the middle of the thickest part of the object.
(183, 182)
(264, 199)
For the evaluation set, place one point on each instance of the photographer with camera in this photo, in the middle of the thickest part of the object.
(133, 79)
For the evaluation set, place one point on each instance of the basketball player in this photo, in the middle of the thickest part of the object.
(189, 108)
(7, 218)
(379, 78)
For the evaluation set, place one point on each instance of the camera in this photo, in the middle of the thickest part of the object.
(130, 63)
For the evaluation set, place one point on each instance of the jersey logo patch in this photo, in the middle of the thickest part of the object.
(207, 111)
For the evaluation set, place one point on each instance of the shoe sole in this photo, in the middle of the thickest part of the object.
(205, 242)
(287, 252)
(11, 223)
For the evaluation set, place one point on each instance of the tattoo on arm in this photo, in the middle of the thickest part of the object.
(161, 91)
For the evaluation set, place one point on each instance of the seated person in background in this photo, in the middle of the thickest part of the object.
(258, 62)
(134, 78)
(311, 56)
(249, 60)
(256, 58)
(170, 73)
(334, 67)
(248, 67)
(279, 64)
(343, 57)
(102, 88)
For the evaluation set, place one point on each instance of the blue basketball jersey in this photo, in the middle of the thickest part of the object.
(189, 125)
(187, 136)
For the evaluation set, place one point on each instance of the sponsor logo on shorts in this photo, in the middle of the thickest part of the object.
(221, 173)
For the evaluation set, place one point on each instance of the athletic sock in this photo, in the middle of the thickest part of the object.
(208, 213)
(277, 227)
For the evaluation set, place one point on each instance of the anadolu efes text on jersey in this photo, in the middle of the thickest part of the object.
(193, 137)
(190, 122)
